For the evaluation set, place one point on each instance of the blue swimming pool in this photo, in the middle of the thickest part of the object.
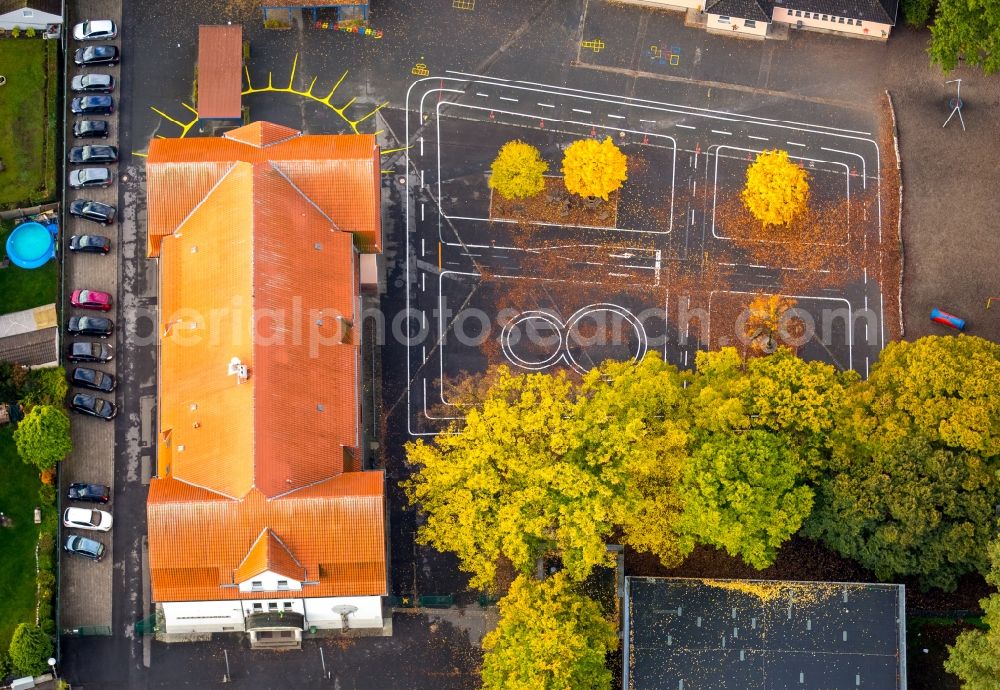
(31, 245)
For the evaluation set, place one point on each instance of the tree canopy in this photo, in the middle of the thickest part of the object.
(966, 29)
(46, 386)
(745, 493)
(42, 437)
(975, 658)
(543, 466)
(518, 171)
(777, 189)
(593, 168)
(30, 649)
(549, 638)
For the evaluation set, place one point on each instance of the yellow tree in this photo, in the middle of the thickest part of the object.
(766, 319)
(549, 637)
(594, 169)
(517, 172)
(777, 190)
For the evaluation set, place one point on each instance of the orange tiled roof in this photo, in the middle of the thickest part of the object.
(255, 269)
(269, 553)
(339, 173)
(220, 71)
(334, 529)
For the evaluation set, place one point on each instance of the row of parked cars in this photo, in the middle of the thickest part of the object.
(95, 98)
(89, 170)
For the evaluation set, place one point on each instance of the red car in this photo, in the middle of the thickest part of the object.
(91, 299)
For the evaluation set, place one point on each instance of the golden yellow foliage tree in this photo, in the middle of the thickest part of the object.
(518, 170)
(550, 637)
(594, 169)
(766, 322)
(777, 190)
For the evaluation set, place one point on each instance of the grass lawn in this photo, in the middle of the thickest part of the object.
(28, 125)
(18, 498)
(24, 289)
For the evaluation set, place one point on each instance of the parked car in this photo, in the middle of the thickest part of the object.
(91, 299)
(85, 518)
(93, 105)
(90, 326)
(89, 493)
(82, 546)
(95, 30)
(92, 83)
(96, 55)
(85, 377)
(91, 405)
(90, 177)
(93, 154)
(90, 129)
(89, 352)
(95, 211)
(90, 244)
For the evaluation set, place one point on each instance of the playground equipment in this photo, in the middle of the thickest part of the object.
(946, 319)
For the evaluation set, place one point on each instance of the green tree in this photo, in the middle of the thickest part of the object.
(969, 30)
(975, 658)
(46, 386)
(912, 484)
(518, 171)
(745, 493)
(594, 168)
(30, 649)
(917, 12)
(777, 189)
(42, 438)
(549, 638)
(543, 466)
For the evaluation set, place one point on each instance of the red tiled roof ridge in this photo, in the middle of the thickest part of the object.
(261, 134)
(303, 194)
(218, 183)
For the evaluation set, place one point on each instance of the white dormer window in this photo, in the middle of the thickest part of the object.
(257, 584)
(27, 14)
(282, 584)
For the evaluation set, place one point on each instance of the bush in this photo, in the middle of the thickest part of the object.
(48, 476)
(5, 666)
(30, 649)
(45, 579)
(518, 170)
(46, 542)
(13, 378)
(46, 387)
(47, 494)
(15, 32)
(48, 626)
(30, 33)
(275, 24)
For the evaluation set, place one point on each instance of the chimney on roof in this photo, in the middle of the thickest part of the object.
(239, 370)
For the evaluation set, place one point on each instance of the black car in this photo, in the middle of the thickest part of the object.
(95, 380)
(90, 325)
(90, 177)
(89, 352)
(90, 129)
(96, 55)
(87, 404)
(91, 493)
(83, 546)
(92, 83)
(90, 244)
(93, 154)
(93, 105)
(93, 210)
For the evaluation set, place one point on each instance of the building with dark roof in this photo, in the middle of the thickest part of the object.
(30, 338)
(30, 14)
(757, 18)
(690, 634)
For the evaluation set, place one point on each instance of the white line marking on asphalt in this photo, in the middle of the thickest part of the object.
(866, 275)
(421, 146)
(421, 211)
(751, 136)
(652, 122)
(507, 98)
(685, 126)
(482, 95)
(685, 357)
(421, 178)
(423, 249)
(794, 143)
(694, 191)
(546, 105)
(578, 110)
(423, 281)
(617, 117)
(722, 131)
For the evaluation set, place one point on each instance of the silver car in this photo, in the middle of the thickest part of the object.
(90, 177)
(97, 30)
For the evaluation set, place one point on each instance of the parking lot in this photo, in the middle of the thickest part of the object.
(86, 586)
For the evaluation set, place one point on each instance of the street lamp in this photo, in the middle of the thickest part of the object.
(52, 663)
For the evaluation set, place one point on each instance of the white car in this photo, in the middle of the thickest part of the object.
(85, 518)
(99, 30)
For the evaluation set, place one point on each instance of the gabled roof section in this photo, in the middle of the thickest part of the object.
(261, 134)
(880, 11)
(48, 6)
(269, 553)
(757, 10)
